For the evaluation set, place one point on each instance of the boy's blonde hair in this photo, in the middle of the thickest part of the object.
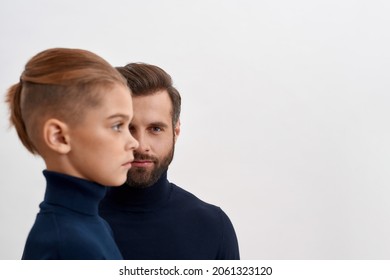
(58, 83)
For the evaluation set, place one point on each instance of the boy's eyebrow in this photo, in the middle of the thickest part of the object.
(123, 116)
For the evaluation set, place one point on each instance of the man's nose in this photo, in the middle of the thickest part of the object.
(143, 143)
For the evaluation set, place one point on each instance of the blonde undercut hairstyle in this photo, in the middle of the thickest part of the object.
(58, 83)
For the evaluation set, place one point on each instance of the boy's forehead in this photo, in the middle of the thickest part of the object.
(114, 101)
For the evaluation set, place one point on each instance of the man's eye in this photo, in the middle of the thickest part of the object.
(156, 129)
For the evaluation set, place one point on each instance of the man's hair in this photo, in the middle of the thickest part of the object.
(146, 79)
(58, 83)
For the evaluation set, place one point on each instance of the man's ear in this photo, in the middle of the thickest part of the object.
(56, 136)
(176, 130)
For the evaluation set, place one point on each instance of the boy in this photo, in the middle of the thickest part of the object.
(73, 109)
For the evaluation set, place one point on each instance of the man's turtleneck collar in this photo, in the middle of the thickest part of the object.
(134, 199)
(74, 193)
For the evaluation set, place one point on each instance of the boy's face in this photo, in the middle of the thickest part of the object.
(101, 145)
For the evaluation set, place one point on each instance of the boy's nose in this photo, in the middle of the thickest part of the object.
(132, 144)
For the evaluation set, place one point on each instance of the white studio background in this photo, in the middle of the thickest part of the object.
(285, 118)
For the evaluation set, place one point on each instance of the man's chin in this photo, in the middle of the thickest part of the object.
(142, 177)
(138, 182)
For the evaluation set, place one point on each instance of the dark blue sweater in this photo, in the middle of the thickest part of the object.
(68, 226)
(166, 222)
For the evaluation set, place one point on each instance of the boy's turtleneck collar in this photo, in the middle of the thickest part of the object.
(74, 193)
(131, 198)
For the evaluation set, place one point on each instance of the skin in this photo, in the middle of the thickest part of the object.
(153, 129)
(100, 148)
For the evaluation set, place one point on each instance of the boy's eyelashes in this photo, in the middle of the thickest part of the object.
(118, 127)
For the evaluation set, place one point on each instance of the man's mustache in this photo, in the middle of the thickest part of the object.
(139, 156)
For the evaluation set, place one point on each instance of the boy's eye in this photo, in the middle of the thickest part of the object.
(117, 127)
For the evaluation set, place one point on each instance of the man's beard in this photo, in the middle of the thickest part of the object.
(139, 177)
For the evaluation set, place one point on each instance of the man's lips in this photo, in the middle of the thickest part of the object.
(142, 163)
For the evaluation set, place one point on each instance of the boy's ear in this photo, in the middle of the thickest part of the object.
(56, 136)
(176, 130)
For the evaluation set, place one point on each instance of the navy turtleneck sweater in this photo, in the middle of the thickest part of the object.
(166, 222)
(68, 226)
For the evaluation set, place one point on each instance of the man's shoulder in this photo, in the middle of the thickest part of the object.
(209, 219)
(190, 201)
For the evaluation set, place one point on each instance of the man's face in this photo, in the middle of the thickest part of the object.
(153, 129)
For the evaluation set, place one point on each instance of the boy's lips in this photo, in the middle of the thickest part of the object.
(128, 164)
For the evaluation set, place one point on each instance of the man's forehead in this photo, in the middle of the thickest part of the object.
(153, 108)
(159, 101)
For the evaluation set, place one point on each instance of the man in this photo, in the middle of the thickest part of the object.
(152, 218)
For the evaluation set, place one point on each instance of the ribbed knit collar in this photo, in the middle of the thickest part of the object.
(73, 193)
(140, 199)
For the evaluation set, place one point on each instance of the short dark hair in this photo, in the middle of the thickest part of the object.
(146, 79)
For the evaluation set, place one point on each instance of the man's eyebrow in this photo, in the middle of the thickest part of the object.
(159, 124)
